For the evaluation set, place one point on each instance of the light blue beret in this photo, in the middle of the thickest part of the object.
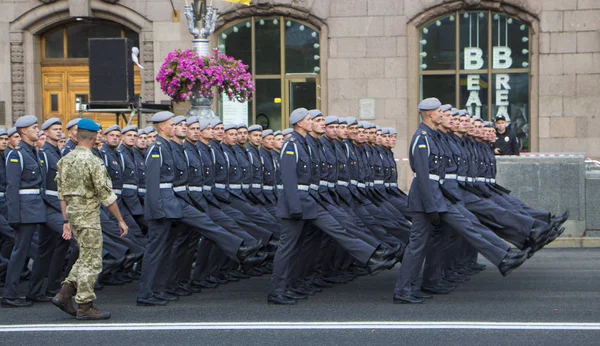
(178, 119)
(63, 136)
(362, 125)
(351, 121)
(462, 113)
(287, 131)
(192, 120)
(88, 125)
(149, 129)
(112, 128)
(429, 104)
(230, 127)
(215, 122)
(242, 126)
(315, 113)
(129, 128)
(385, 131)
(393, 131)
(342, 121)
(298, 115)
(331, 119)
(52, 121)
(446, 107)
(3, 132)
(141, 132)
(255, 128)
(73, 123)
(41, 133)
(277, 133)
(266, 133)
(11, 131)
(477, 118)
(26, 121)
(377, 128)
(162, 116)
(204, 124)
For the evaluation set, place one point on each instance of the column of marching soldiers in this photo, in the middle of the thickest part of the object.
(314, 205)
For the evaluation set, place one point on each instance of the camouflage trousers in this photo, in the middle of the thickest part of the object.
(89, 264)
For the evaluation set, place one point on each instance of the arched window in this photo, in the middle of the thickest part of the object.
(284, 58)
(478, 60)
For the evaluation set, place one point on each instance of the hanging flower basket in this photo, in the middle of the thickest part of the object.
(184, 72)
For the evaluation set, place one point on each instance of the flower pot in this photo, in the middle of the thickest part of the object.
(201, 107)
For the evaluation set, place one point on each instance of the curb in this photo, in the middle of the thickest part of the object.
(575, 242)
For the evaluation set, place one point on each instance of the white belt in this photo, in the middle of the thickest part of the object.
(235, 186)
(245, 186)
(180, 188)
(362, 185)
(394, 184)
(280, 187)
(207, 188)
(450, 176)
(342, 183)
(165, 185)
(387, 184)
(256, 186)
(48, 192)
(493, 181)
(314, 186)
(377, 182)
(469, 179)
(353, 182)
(220, 186)
(323, 183)
(461, 178)
(130, 186)
(117, 191)
(29, 192)
(303, 187)
(195, 188)
(480, 180)
(330, 184)
(431, 176)
(487, 180)
(268, 188)
(141, 190)
(1, 194)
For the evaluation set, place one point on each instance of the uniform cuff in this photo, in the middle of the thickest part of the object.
(110, 200)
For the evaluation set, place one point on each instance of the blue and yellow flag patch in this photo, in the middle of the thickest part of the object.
(155, 156)
(289, 152)
(14, 159)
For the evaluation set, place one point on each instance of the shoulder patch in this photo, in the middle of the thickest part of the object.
(14, 159)
(158, 143)
(423, 132)
(292, 139)
(17, 147)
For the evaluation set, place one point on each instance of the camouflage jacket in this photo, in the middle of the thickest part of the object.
(83, 183)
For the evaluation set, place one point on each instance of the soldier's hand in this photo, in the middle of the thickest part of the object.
(497, 151)
(124, 228)
(434, 218)
(66, 232)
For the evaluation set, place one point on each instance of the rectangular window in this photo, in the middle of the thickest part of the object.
(54, 103)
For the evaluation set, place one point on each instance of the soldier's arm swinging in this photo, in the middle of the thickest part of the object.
(66, 227)
(114, 209)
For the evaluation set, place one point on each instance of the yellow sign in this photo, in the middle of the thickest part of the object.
(243, 2)
(277, 100)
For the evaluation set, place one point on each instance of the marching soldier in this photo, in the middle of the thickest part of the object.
(71, 143)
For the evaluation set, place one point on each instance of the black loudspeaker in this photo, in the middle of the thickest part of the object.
(111, 70)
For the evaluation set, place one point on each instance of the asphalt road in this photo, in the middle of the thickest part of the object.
(552, 299)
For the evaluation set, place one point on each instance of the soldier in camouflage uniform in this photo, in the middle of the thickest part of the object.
(82, 184)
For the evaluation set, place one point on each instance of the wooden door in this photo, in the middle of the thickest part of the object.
(63, 85)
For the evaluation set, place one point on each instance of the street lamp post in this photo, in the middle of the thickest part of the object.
(201, 21)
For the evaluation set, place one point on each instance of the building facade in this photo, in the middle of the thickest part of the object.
(535, 61)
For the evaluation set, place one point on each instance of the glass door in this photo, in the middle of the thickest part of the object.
(301, 92)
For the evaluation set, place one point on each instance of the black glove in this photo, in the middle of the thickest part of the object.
(296, 216)
(434, 218)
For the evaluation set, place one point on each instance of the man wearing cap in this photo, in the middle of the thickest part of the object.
(82, 185)
(269, 170)
(298, 206)
(62, 141)
(26, 208)
(151, 133)
(507, 143)
(14, 138)
(431, 208)
(275, 153)
(7, 234)
(139, 154)
(287, 133)
(71, 143)
(41, 140)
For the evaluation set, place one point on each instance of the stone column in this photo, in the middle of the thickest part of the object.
(17, 72)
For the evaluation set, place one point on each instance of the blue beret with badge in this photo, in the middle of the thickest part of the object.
(255, 128)
(298, 115)
(111, 129)
(11, 131)
(204, 124)
(315, 113)
(331, 120)
(230, 127)
(73, 122)
(178, 119)
(192, 120)
(129, 128)
(26, 121)
(267, 132)
(162, 116)
(287, 131)
(52, 121)
(242, 126)
(429, 104)
(215, 122)
(88, 125)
